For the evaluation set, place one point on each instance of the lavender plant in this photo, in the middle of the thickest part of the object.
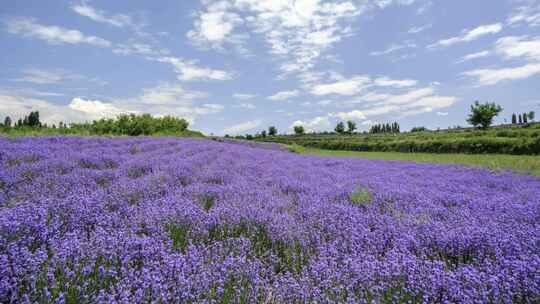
(140, 220)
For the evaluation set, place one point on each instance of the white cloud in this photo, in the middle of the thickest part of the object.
(168, 94)
(387, 82)
(394, 48)
(284, 95)
(347, 87)
(95, 109)
(137, 48)
(522, 46)
(189, 71)
(27, 27)
(526, 14)
(244, 96)
(40, 76)
(419, 29)
(354, 115)
(493, 76)
(119, 20)
(216, 25)
(246, 105)
(469, 35)
(442, 113)
(242, 127)
(297, 32)
(316, 124)
(474, 56)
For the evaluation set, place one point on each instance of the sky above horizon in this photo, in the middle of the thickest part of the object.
(240, 66)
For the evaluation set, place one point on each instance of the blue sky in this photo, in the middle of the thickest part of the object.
(239, 66)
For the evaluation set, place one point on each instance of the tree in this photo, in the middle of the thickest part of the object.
(340, 128)
(514, 118)
(7, 122)
(482, 114)
(299, 130)
(520, 119)
(351, 126)
(272, 131)
(263, 133)
(531, 115)
(525, 116)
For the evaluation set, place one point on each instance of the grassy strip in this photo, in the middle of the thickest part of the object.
(519, 163)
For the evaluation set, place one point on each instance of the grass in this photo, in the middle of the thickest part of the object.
(519, 163)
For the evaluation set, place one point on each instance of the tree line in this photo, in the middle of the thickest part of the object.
(124, 124)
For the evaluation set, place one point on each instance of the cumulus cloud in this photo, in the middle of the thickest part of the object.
(242, 127)
(284, 95)
(469, 35)
(96, 109)
(29, 28)
(316, 124)
(354, 115)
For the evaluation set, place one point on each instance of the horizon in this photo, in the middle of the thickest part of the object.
(240, 66)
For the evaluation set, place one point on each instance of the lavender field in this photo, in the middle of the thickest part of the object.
(163, 220)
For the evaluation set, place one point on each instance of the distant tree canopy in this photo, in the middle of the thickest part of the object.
(385, 128)
(482, 114)
(299, 130)
(418, 129)
(531, 115)
(125, 124)
(7, 122)
(351, 126)
(340, 128)
(30, 120)
(135, 125)
(272, 131)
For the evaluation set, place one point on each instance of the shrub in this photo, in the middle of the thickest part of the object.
(361, 196)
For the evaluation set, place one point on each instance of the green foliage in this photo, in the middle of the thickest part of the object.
(525, 118)
(482, 114)
(7, 122)
(272, 131)
(385, 128)
(531, 115)
(340, 128)
(296, 148)
(418, 129)
(135, 125)
(123, 125)
(518, 140)
(514, 118)
(351, 126)
(361, 196)
(299, 130)
(179, 234)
